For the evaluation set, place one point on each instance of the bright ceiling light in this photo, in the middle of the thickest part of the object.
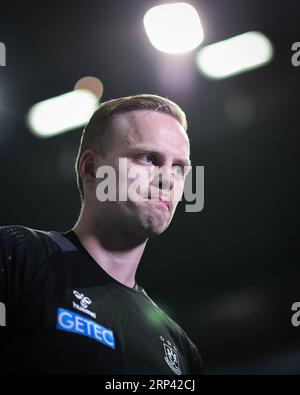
(235, 55)
(62, 113)
(173, 28)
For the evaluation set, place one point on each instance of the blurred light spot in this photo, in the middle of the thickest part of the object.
(239, 110)
(235, 55)
(156, 317)
(173, 28)
(62, 113)
(91, 84)
(240, 306)
(177, 78)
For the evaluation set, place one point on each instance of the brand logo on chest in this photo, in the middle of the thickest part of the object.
(84, 302)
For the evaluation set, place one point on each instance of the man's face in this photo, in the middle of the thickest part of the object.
(156, 149)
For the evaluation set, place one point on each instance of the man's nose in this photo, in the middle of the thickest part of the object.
(163, 178)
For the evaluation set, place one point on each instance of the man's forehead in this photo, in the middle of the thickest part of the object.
(145, 126)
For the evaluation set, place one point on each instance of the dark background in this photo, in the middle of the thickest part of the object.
(229, 274)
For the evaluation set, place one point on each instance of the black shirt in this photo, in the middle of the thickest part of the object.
(65, 314)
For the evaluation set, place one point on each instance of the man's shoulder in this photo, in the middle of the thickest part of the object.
(170, 321)
(21, 239)
(23, 253)
(178, 332)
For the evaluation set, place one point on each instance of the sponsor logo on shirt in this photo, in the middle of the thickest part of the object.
(84, 302)
(171, 356)
(69, 321)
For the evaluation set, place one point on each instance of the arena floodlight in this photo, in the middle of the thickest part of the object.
(173, 28)
(235, 55)
(62, 113)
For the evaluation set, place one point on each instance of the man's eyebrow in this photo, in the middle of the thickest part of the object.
(153, 150)
(184, 162)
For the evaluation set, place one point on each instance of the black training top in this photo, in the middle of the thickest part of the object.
(65, 314)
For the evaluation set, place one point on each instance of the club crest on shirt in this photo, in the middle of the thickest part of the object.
(171, 356)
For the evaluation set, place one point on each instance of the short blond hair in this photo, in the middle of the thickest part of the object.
(94, 133)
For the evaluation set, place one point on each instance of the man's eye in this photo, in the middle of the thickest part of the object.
(147, 158)
(179, 170)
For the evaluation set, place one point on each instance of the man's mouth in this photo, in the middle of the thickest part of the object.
(165, 202)
(161, 200)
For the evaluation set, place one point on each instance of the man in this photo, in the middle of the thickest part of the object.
(73, 305)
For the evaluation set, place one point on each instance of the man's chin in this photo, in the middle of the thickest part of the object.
(152, 230)
(149, 223)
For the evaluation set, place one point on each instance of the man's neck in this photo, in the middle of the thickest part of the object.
(116, 255)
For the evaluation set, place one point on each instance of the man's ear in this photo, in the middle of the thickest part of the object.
(87, 165)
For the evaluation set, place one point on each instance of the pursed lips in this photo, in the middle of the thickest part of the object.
(162, 199)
